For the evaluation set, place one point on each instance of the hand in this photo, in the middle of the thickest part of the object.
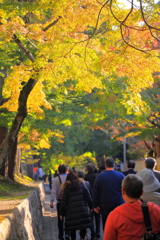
(51, 205)
(97, 209)
(61, 218)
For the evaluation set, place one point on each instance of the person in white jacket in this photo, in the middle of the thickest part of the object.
(55, 193)
(151, 186)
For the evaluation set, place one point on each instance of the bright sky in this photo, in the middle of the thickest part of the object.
(128, 2)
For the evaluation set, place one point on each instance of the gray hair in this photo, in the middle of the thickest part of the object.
(150, 163)
(80, 174)
(133, 186)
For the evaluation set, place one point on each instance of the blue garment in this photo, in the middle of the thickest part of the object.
(107, 190)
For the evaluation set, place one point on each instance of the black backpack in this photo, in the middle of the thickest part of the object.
(149, 235)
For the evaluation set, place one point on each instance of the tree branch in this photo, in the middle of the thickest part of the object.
(144, 19)
(23, 48)
(52, 24)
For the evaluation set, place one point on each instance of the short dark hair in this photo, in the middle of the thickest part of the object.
(102, 168)
(131, 164)
(150, 162)
(62, 168)
(90, 167)
(133, 186)
(110, 162)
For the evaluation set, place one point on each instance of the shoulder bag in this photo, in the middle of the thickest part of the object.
(149, 235)
(60, 195)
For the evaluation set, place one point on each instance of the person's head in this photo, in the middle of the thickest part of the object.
(109, 163)
(150, 163)
(73, 179)
(132, 186)
(90, 167)
(62, 168)
(80, 174)
(102, 168)
(150, 182)
(131, 164)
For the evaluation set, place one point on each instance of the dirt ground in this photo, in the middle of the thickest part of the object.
(12, 193)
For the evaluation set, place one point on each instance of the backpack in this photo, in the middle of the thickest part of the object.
(60, 195)
(149, 235)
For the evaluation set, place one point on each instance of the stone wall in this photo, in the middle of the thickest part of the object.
(25, 222)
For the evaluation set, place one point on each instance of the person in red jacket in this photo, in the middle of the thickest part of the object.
(126, 222)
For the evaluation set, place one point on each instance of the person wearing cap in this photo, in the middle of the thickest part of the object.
(150, 186)
(126, 222)
(151, 163)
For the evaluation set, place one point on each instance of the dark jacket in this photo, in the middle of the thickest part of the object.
(107, 190)
(90, 177)
(130, 171)
(74, 206)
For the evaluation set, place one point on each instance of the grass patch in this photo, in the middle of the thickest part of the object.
(10, 189)
(14, 198)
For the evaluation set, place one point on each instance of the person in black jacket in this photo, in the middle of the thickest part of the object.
(90, 177)
(130, 165)
(74, 206)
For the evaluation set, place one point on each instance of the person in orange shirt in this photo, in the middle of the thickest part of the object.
(126, 222)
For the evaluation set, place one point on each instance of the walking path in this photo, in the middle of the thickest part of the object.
(50, 229)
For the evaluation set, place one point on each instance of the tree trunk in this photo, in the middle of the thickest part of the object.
(17, 161)
(3, 132)
(12, 160)
(100, 160)
(17, 122)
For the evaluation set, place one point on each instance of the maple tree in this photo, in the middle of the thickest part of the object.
(86, 122)
(46, 43)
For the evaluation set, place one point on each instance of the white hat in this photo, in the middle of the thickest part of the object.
(150, 182)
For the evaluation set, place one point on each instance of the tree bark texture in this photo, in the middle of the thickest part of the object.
(12, 159)
(3, 132)
(17, 122)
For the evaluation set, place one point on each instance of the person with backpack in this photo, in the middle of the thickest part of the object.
(128, 222)
(74, 206)
(56, 195)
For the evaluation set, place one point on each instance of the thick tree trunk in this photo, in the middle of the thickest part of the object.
(17, 122)
(3, 132)
(12, 160)
(17, 161)
(100, 160)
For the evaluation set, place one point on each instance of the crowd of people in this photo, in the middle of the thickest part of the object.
(83, 199)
